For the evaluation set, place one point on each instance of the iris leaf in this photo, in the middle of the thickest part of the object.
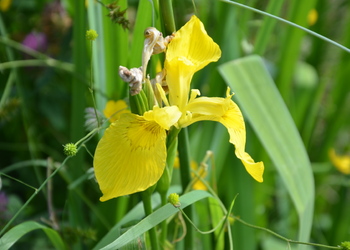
(263, 106)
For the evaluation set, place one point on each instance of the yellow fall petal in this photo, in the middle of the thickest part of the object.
(225, 111)
(189, 51)
(130, 157)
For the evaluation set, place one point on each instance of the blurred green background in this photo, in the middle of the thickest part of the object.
(45, 90)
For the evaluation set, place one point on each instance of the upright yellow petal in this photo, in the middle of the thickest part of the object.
(189, 51)
(130, 157)
(225, 111)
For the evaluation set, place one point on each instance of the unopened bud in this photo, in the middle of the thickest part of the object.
(91, 35)
(174, 199)
(70, 149)
(345, 245)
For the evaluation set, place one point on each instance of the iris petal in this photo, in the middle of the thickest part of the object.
(225, 111)
(189, 51)
(130, 157)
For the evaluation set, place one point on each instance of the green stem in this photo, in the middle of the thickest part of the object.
(202, 232)
(166, 9)
(163, 225)
(77, 119)
(92, 86)
(281, 237)
(185, 167)
(37, 62)
(290, 23)
(147, 204)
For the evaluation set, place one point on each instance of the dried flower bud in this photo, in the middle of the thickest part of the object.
(154, 43)
(117, 15)
(134, 77)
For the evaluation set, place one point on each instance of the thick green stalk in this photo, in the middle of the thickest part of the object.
(163, 225)
(167, 14)
(185, 166)
(147, 204)
(77, 115)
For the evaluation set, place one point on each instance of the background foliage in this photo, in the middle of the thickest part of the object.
(43, 101)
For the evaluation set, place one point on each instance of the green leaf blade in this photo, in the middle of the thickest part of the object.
(264, 107)
(13, 235)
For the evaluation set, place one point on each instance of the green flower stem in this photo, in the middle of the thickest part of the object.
(37, 62)
(290, 23)
(185, 167)
(164, 182)
(200, 231)
(91, 89)
(167, 15)
(139, 103)
(163, 225)
(147, 204)
(281, 237)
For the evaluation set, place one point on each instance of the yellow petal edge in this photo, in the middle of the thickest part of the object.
(130, 157)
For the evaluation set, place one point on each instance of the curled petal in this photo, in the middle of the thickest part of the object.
(189, 51)
(192, 45)
(225, 111)
(130, 157)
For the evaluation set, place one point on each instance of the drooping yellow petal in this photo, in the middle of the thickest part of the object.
(114, 109)
(165, 117)
(189, 51)
(130, 157)
(341, 162)
(225, 111)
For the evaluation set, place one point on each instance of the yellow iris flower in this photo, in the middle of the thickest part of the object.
(131, 156)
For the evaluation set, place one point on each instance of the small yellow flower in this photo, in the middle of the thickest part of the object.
(342, 163)
(114, 109)
(312, 17)
(5, 5)
(91, 35)
(131, 155)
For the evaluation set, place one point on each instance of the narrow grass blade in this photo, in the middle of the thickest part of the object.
(155, 218)
(13, 235)
(263, 106)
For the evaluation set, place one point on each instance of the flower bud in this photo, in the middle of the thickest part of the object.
(345, 245)
(70, 149)
(174, 199)
(91, 35)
